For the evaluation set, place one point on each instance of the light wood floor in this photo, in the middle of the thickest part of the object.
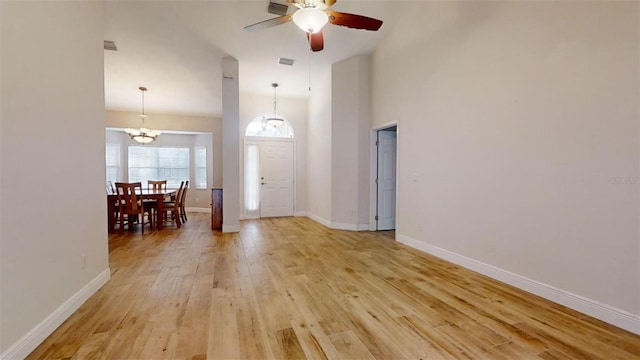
(291, 288)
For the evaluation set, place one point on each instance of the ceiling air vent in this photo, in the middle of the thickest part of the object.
(110, 45)
(285, 61)
(277, 8)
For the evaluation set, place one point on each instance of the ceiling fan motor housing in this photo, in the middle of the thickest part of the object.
(277, 8)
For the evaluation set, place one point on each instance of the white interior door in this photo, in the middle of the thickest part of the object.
(276, 178)
(386, 180)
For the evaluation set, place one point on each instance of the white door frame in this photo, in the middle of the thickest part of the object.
(373, 207)
(258, 140)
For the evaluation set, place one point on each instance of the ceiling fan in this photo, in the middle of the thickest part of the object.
(312, 15)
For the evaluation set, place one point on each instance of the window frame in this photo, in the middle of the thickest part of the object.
(200, 167)
(117, 159)
(173, 182)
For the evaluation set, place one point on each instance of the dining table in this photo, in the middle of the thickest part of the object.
(147, 194)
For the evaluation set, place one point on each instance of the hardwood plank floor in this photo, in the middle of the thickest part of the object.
(291, 288)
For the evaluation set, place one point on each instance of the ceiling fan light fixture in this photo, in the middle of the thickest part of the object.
(310, 19)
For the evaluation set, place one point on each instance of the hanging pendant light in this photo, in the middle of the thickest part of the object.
(142, 135)
(275, 120)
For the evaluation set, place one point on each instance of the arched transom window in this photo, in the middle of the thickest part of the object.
(270, 126)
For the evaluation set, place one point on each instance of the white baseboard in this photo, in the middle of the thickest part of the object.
(199, 210)
(230, 228)
(338, 226)
(341, 226)
(349, 227)
(39, 333)
(319, 219)
(606, 313)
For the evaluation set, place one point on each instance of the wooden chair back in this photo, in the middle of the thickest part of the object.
(110, 188)
(178, 196)
(130, 197)
(130, 203)
(174, 206)
(182, 201)
(157, 185)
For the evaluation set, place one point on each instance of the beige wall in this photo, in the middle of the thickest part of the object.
(319, 148)
(350, 143)
(173, 122)
(230, 146)
(518, 139)
(52, 167)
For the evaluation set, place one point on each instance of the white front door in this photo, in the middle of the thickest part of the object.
(276, 178)
(386, 180)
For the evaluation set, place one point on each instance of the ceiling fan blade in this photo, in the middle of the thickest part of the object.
(353, 21)
(269, 23)
(316, 41)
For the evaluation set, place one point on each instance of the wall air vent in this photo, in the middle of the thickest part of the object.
(110, 45)
(285, 61)
(277, 8)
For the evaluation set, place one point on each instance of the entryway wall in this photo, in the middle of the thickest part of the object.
(350, 129)
(339, 152)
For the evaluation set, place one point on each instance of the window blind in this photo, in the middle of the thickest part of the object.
(159, 163)
(201, 167)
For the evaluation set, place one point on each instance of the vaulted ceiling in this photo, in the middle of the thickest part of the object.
(175, 48)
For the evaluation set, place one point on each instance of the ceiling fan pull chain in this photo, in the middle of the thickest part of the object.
(310, 52)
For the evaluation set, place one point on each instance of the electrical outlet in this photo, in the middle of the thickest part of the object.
(83, 261)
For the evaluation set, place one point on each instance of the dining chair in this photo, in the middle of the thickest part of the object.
(172, 208)
(157, 185)
(110, 188)
(154, 185)
(182, 200)
(131, 205)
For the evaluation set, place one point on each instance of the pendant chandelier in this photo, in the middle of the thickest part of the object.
(142, 135)
(275, 120)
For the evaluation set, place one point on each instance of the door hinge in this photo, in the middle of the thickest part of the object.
(376, 217)
(377, 142)
(377, 181)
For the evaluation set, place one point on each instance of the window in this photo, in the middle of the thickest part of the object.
(201, 167)
(159, 163)
(259, 127)
(251, 187)
(112, 160)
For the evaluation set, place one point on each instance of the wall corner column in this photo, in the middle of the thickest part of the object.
(230, 146)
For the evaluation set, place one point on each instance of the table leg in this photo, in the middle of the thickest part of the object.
(111, 206)
(160, 213)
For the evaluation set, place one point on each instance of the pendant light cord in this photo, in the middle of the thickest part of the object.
(275, 100)
(309, 80)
